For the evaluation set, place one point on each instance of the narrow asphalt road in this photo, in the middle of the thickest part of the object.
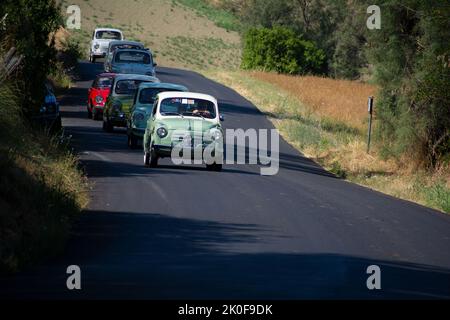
(186, 233)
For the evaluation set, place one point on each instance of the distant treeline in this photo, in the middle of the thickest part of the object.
(408, 58)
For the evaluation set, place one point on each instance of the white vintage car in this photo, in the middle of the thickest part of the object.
(101, 37)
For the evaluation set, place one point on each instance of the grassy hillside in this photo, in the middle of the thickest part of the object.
(180, 36)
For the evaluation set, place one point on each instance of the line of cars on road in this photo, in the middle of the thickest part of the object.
(128, 94)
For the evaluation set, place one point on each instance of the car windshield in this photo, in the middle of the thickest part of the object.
(148, 95)
(188, 107)
(109, 35)
(133, 57)
(127, 87)
(104, 82)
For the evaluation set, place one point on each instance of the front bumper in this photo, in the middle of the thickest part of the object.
(118, 121)
(139, 133)
(98, 109)
(194, 151)
(98, 54)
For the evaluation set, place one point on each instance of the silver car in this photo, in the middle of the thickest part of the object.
(133, 61)
(124, 44)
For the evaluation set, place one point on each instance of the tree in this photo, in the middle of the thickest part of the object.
(411, 55)
(282, 50)
(29, 26)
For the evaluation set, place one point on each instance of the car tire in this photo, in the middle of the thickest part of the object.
(151, 159)
(214, 167)
(132, 141)
(146, 159)
(107, 126)
(93, 59)
(89, 110)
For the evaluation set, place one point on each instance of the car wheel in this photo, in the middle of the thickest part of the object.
(107, 126)
(132, 141)
(146, 159)
(89, 110)
(151, 159)
(214, 167)
(93, 59)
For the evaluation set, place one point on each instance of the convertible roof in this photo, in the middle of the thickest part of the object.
(163, 85)
(135, 50)
(191, 95)
(140, 77)
(125, 42)
(107, 29)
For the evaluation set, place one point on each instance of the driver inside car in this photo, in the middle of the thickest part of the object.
(202, 109)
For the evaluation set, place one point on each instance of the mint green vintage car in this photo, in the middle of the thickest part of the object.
(142, 108)
(120, 99)
(187, 127)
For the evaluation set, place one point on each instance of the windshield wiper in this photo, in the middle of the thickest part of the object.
(195, 115)
(171, 113)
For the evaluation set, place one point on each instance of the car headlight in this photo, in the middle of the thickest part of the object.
(99, 99)
(215, 134)
(138, 117)
(96, 46)
(162, 132)
(117, 106)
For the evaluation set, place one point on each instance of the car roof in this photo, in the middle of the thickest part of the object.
(163, 85)
(192, 95)
(107, 29)
(134, 43)
(122, 76)
(106, 74)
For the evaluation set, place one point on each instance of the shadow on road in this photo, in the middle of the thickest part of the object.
(141, 255)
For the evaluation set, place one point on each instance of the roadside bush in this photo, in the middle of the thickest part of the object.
(41, 189)
(282, 50)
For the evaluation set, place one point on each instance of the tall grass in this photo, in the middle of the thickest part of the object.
(340, 100)
(41, 188)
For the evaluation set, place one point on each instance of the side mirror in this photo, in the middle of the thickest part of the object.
(155, 64)
(221, 117)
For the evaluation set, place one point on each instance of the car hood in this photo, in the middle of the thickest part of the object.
(125, 101)
(104, 92)
(103, 43)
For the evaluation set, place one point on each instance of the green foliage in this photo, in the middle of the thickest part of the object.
(348, 59)
(282, 50)
(222, 18)
(29, 26)
(411, 55)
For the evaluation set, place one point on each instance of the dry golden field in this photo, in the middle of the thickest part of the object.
(341, 100)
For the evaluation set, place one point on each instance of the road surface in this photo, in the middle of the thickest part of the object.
(186, 233)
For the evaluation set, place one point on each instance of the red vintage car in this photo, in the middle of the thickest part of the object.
(98, 93)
